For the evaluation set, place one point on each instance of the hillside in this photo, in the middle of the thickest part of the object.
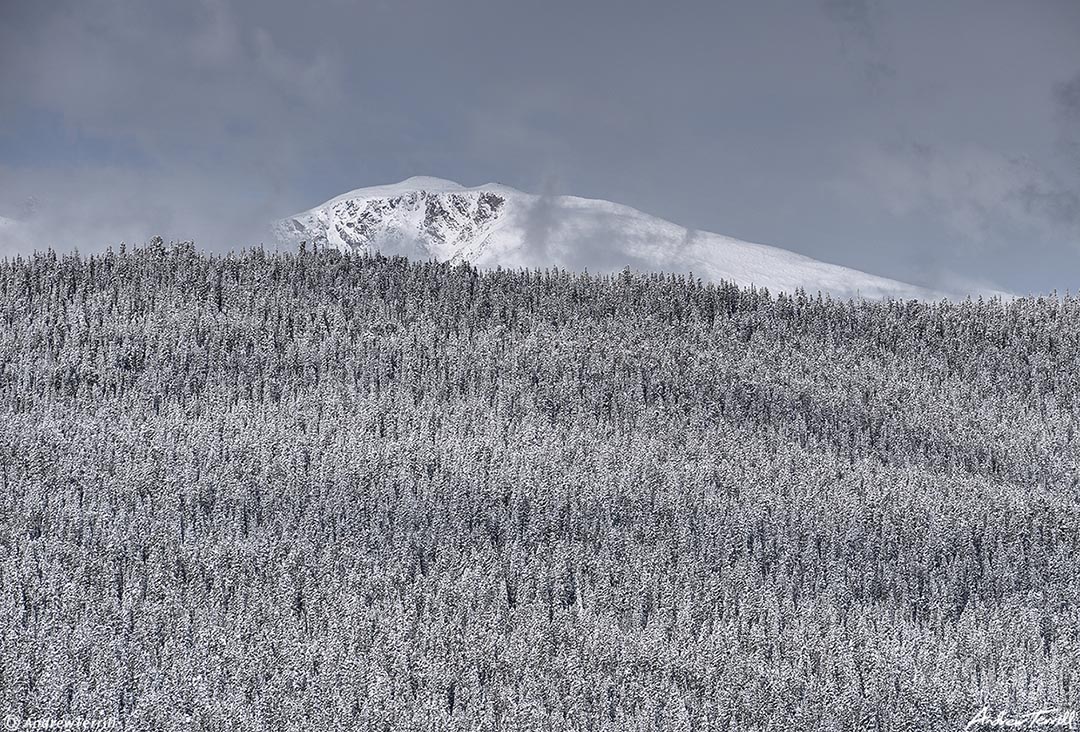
(271, 491)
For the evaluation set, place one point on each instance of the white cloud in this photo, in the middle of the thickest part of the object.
(91, 208)
(980, 194)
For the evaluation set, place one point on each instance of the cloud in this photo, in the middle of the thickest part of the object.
(541, 220)
(189, 81)
(978, 193)
(861, 40)
(204, 119)
(1067, 96)
(216, 118)
(92, 208)
(1067, 105)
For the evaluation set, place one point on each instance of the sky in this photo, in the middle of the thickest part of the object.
(935, 143)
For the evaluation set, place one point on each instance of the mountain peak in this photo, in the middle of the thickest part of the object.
(489, 225)
(428, 183)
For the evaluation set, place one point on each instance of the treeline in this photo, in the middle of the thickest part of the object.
(284, 491)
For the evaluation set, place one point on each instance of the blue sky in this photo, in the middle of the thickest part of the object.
(937, 143)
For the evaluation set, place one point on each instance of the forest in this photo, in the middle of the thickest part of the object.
(307, 490)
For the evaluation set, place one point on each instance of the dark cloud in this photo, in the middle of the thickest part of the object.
(852, 13)
(1056, 203)
(1067, 96)
(861, 40)
(1067, 103)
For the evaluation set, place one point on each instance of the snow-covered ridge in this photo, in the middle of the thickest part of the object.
(493, 225)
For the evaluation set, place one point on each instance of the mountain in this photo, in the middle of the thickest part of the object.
(493, 224)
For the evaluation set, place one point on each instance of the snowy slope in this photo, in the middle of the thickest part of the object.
(493, 225)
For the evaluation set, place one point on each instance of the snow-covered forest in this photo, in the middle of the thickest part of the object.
(316, 491)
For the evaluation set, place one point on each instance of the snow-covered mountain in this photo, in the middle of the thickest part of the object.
(493, 225)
